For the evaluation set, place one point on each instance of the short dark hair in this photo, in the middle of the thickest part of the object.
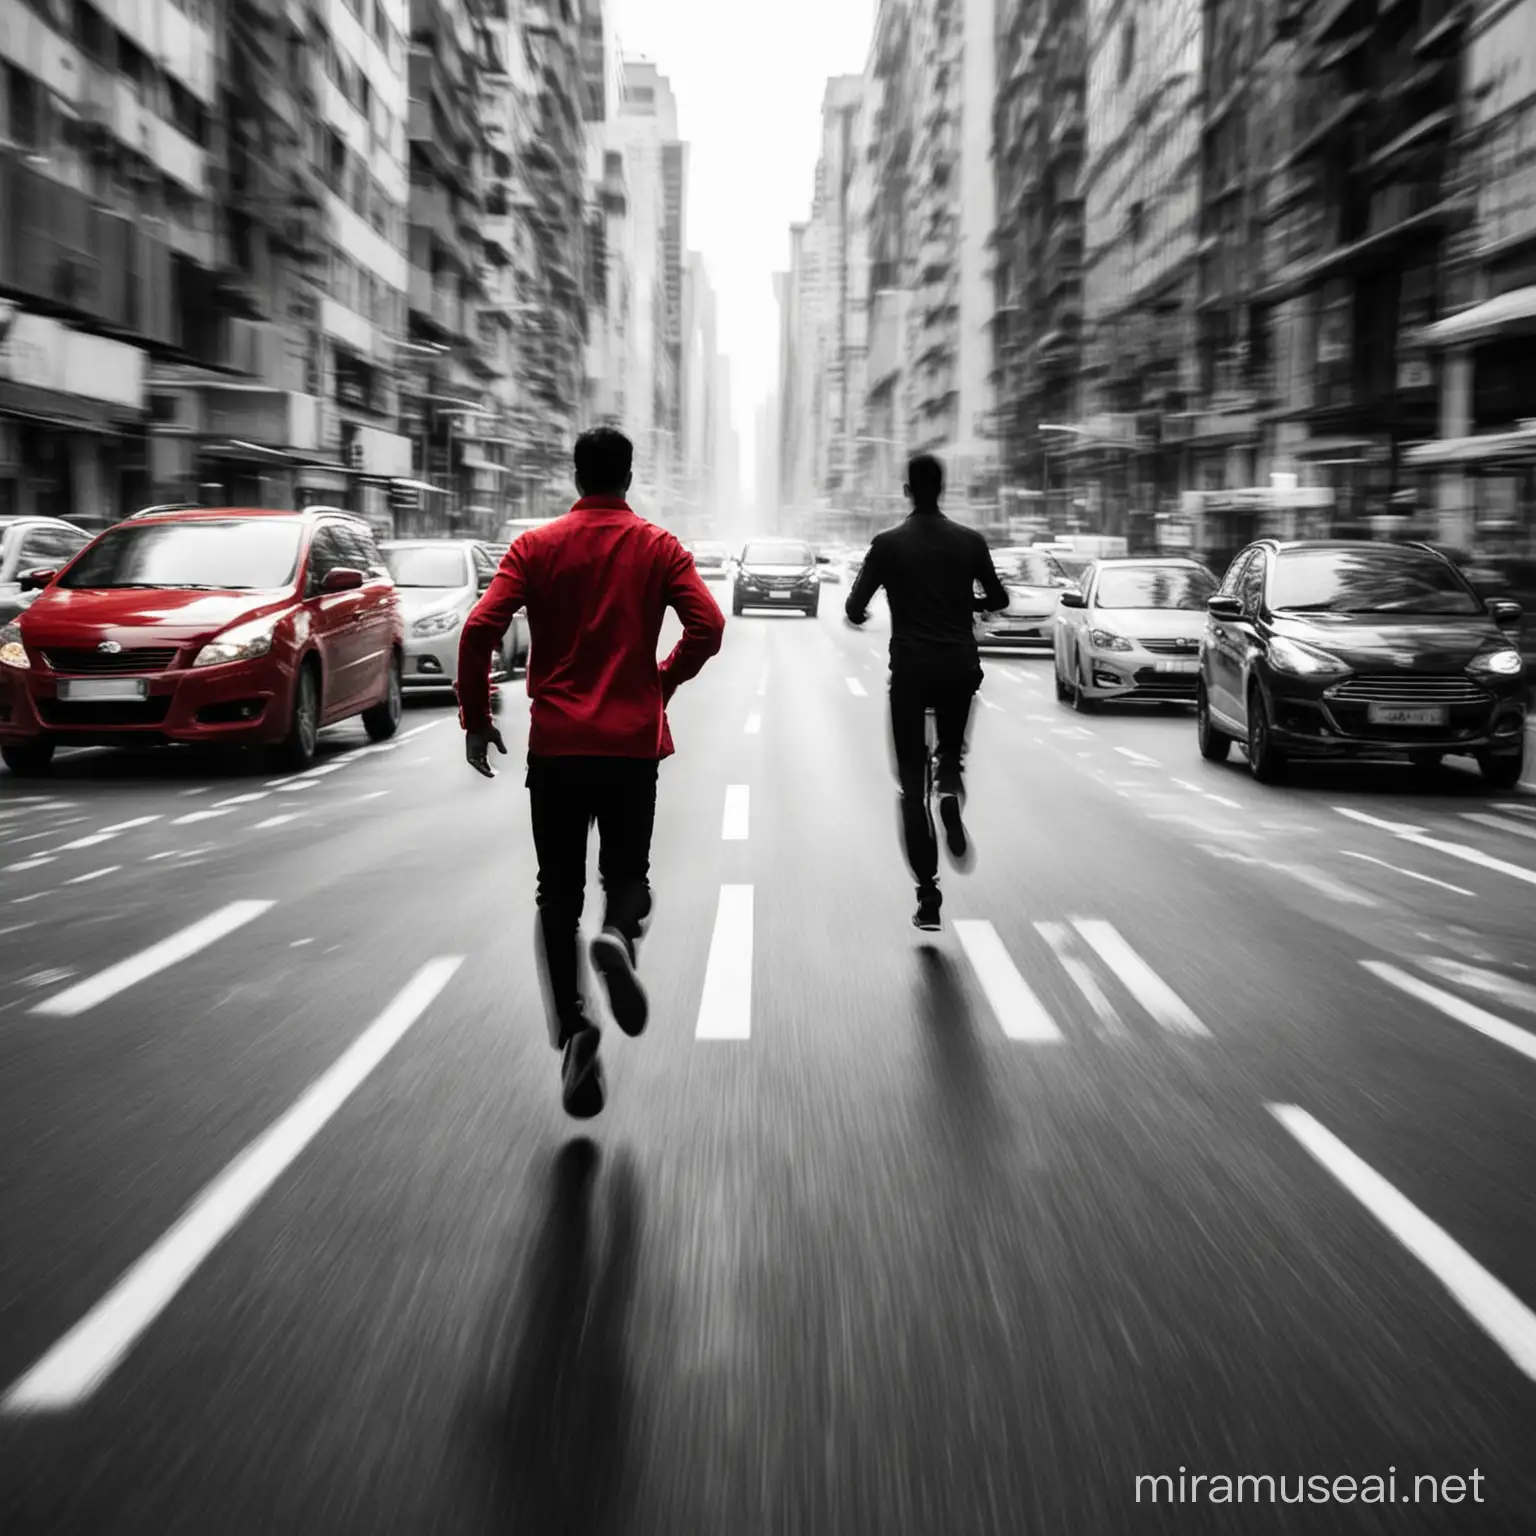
(605, 459)
(925, 477)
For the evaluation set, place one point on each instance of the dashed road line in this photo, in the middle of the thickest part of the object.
(150, 962)
(25, 864)
(1138, 978)
(95, 874)
(1020, 1013)
(76, 1366)
(1463, 851)
(278, 821)
(856, 688)
(734, 823)
(250, 799)
(1517, 994)
(1492, 1305)
(754, 724)
(297, 784)
(1485, 1023)
(1412, 874)
(1139, 758)
(193, 817)
(725, 1008)
(1500, 824)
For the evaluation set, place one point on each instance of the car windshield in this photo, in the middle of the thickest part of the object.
(1375, 580)
(222, 556)
(427, 565)
(1031, 568)
(1184, 588)
(778, 554)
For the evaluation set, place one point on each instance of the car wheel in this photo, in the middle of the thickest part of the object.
(1502, 770)
(28, 759)
(735, 609)
(297, 750)
(1265, 761)
(1063, 693)
(383, 720)
(1214, 744)
(1081, 701)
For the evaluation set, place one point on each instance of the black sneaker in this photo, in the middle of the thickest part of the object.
(927, 915)
(614, 961)
(955, 838)
(583, 1087)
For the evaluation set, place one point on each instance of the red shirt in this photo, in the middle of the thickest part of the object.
(596, 583)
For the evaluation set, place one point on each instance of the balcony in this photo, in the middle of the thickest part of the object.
(435, 306)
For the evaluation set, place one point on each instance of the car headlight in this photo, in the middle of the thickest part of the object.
(1107, 640)
(437, 623)
(1303, 660)
(12, 652)
(245, 642)
(1506, 663)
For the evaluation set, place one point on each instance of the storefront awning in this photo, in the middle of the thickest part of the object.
(1512, 312)
(1518, 447)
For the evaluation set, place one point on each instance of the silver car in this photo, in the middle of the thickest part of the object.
(1035, 584)
(439, 582)
(29, 544)
(1132, 631)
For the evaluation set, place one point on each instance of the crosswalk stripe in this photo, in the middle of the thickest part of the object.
(149, 962)
(1491, 1304)
(77, 1365)
(1485, 1023)
(1022, 1015)
(1139, 979)
(725, 1009)
(1059, 937)
(856, 688)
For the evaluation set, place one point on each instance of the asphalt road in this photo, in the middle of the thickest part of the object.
(1200, 1139)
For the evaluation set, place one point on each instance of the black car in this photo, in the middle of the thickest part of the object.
(777, 573)
(1359, 650)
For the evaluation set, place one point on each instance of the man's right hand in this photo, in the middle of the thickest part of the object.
(477, 750)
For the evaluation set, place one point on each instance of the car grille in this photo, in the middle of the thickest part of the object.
(1409, 688)
(112, 663)
(126, 712)
(1171, 647)
(1165, 685)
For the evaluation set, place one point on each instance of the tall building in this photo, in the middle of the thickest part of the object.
(644, 134)
(1040, 129)
(765, 495)
(1142, 207)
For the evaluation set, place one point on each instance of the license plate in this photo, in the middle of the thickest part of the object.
(1178, 666)
(98, 690)
(1394, 714)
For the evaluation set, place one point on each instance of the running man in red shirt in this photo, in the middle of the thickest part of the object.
(596, 583)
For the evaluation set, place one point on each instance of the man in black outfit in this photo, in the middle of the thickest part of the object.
(930, 568)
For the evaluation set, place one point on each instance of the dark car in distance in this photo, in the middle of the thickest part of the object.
(1343, 649)
(777, 573)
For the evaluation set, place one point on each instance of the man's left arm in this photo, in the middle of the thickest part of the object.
(864, 588)
(994, 595)
(484, 630)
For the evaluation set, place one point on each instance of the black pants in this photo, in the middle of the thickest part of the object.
(566, 795)
(949, 695)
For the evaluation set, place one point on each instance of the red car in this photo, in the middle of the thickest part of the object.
(218, 627)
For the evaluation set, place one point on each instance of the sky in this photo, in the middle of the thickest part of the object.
(749, 80)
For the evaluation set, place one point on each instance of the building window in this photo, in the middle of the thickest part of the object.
(1127, 49)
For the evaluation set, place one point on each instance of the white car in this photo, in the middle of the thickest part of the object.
(439, 582)
(1035, 584)
(1132, 631)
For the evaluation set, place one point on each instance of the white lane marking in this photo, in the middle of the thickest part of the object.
(1518, 994)
(1060, 938)
(196, 816)
(373, 794)
(170, 853)
(1139, 758)
(1495, 1308)
(1231, 855)
(95, 874)
(325, 768)
(856, 688)
(877, 653)
(1520, 808)
(250, 799)
(1453, 1007)
(78, 1364)
(33, 837)
(733, 826)
(128, 826)
(1327, 885)
(1444, 885)
(1043, 719)
(278, 821)
(1021, 1014)
(1139, 979)
(1500, 824)
(754, 724)
(725, 1009)
(92, 841)
(37, 863)
(300, 943)
(284, 789)
(202, 789)
(1195, 789)
(16, 928)
(1463, 851)
(17, 901)
(988, 704)
(149, 962)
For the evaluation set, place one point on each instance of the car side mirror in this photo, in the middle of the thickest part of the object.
(1502, 610)
(1072, 598)
(342, 579)
(1228, 609)
(823, 559)
(35, 581)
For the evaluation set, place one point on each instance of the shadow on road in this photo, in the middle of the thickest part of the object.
(564, 1411)
(966, 1100)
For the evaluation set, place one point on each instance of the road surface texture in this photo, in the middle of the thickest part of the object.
(1200, 1140)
